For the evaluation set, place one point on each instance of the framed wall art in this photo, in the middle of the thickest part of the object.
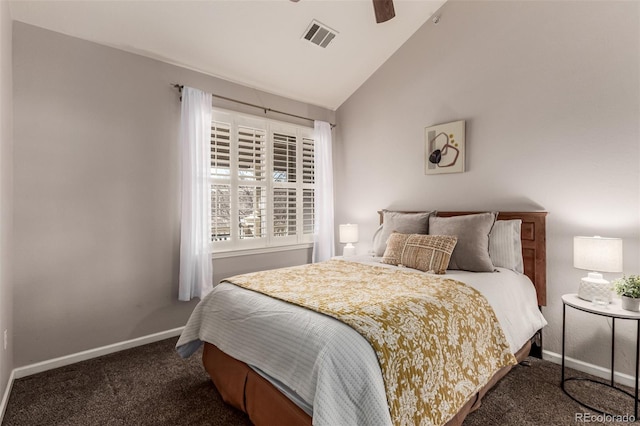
(444, 148)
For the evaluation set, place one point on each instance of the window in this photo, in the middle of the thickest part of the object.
(262, 182)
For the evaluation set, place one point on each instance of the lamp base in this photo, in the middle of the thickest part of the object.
(349, 250)
(593, 287)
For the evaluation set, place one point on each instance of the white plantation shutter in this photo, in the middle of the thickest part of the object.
(220, 149)
(220, 173)
(251, 194)
(308, 211)
(251, 154)
(308, 191)
(284, 158)
(285, 176)
(284, 212)
(252, 212)
(220, 212)
(262, 182)
(308, 153)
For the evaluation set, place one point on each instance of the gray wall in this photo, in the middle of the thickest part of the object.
(97, 193)
(6, 144)
(550, 94)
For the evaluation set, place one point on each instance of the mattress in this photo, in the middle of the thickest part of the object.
(323, 365)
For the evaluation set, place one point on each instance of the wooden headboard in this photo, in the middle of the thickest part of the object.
(533, 235)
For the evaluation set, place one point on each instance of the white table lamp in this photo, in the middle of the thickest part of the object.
(349, 235)
(596, 254)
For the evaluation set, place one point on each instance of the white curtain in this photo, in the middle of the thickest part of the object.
(323, 243)
(196, 274)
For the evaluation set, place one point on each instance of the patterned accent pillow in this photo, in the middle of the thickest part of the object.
(429, 253)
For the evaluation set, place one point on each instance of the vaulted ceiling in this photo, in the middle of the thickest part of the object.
(257, 43)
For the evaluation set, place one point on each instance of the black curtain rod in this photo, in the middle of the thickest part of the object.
(180, 86)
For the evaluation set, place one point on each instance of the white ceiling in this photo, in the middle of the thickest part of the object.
(256, 43)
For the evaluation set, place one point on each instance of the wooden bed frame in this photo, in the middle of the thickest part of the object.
(244, 389)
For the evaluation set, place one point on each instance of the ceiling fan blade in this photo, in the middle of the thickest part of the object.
(384, 10)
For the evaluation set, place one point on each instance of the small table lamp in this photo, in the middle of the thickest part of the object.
(349, 235)
(596, 254)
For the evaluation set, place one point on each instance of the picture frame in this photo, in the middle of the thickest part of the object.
(445, 148)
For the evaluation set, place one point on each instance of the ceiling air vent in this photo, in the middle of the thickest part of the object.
(319, 34)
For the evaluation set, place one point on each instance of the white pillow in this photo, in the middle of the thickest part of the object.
(505, 247)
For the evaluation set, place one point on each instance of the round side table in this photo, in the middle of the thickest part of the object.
(613, 311)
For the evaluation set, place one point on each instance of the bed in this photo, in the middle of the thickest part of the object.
(256, 353)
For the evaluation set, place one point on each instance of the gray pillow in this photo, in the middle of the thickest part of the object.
(404, 223)
(505, 246)
(472, 250)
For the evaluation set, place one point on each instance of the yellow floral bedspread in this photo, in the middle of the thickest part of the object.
(437, 340)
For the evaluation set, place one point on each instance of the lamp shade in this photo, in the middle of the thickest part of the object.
(597, 254)
(349, 233)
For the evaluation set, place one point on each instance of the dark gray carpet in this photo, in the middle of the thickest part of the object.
(148, 385)
(152, 385)
(531, 396)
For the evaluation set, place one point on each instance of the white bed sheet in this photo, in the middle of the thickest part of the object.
(325, 366)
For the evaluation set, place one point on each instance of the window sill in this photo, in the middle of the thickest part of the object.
(261, 250)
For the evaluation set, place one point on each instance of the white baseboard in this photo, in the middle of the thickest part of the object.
(5, 397)
(39, 367)
(585, 367)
